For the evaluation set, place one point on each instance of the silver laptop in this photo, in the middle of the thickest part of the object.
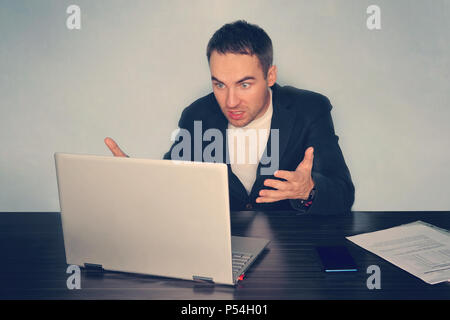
(158, 217)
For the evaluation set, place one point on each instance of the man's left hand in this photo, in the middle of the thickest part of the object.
(297, 185)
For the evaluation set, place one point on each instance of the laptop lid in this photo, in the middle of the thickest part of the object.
(158, 217)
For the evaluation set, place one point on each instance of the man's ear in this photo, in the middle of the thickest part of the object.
(272, 76)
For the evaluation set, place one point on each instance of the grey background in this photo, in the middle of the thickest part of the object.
(134, 66)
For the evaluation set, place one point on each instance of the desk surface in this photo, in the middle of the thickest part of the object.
(33, 262)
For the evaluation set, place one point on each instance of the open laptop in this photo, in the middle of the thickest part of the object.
(158, 217)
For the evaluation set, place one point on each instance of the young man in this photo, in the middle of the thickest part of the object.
(306, 170)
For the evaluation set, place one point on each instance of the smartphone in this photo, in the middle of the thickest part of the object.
(336, 259)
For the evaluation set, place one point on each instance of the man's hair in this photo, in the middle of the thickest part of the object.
(241, 37)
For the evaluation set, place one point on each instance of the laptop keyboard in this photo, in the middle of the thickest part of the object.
(240, 260)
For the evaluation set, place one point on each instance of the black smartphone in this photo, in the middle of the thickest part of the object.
(336, 259)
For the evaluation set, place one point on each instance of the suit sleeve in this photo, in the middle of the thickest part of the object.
(335, 191)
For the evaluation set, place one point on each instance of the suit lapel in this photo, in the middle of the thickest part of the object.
(282, 120)
(236, 187)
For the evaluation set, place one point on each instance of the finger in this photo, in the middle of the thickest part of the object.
(307, 162)
(284, 174)
(277, 184)
(112, 145)
(265, 200)
(274, 194)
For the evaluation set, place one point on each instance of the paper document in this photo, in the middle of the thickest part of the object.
(419, 248)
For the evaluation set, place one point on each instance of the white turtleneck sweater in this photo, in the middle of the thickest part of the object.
(246, 146)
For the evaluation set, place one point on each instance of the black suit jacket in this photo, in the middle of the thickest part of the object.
(303, 119)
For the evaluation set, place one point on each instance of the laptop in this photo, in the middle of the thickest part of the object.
(155, 217)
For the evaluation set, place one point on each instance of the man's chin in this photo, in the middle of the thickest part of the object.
(239, 123)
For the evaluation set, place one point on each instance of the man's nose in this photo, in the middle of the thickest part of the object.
(232, 99)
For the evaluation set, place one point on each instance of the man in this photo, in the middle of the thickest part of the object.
(312, 175)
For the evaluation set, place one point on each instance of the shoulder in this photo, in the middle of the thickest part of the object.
(304, 101)
(201, 108)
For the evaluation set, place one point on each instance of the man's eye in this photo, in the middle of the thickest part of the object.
(219, 85)
(246, 85)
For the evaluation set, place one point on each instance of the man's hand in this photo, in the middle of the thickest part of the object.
(298, 183)
(112, 145)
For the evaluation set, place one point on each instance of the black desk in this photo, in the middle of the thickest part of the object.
(33, 262)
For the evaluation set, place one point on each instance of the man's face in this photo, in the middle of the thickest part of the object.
(240, 87)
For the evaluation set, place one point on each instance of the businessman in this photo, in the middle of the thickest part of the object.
(294, 126)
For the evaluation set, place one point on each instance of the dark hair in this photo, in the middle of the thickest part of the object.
(241, 37)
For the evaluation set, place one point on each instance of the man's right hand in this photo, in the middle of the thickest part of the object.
(112, 145)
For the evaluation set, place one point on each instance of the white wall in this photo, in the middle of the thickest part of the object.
(134, 65)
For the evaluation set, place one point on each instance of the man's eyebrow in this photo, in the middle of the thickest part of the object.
(239, 81)
(245, 79)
